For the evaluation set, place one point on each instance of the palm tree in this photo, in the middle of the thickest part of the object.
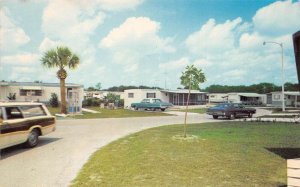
(191, 78)
(60, 58)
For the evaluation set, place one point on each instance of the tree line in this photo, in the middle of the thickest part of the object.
(120, 88)
(256, 88)
(215, 88)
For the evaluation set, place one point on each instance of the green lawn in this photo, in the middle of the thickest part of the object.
(53, 110)
(196, 110)
(108, 113)
(225, 154)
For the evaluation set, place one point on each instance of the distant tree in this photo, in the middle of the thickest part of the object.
(91, 88)
(191, 78)
(53, 102)
(291, 87)
(112, 98)
(98, 86)
(257, 88)
(122, 88)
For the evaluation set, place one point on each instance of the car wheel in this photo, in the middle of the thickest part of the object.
(136, 108)
(162, 109)
(232, 116)
(33, 138)
(215, 116)
(250, 115)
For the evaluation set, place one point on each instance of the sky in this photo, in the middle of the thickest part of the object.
(150, 42)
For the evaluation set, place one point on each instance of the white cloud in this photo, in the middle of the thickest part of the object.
(20, 59)
(235, 54)
(213, 38)
(22, 70)
(251, 41)
(71, 22)
(280, 17)
(139, 33)
(75, 21)
(177, 64)
(12, 36)
(49, 44)
(119, 4)
(202, 63)
(135, 40)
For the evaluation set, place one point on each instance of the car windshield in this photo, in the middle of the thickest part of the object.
(146, 101)
(238, 106)
(223, 105)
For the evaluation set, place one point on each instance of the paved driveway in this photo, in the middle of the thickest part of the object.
(60, 155)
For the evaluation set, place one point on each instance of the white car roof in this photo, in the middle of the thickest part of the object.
(19, 103)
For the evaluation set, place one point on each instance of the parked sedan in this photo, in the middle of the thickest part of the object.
(230, 111)
(151, 104)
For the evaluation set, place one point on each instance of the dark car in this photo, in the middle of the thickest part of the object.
(230, 110)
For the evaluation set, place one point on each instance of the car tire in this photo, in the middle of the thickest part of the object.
(136, 108)
(232, 116)
(33, 138)
(250, 115)
(162, 109)
(215, 116)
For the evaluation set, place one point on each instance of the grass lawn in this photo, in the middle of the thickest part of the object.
(197, 110)
(53, 110)
(107, 113)
(225, 154)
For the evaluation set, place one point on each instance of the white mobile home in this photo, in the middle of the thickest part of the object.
(217, 97)
(176, 97)
(41, 92)
(247, 98)
(101, 94)
(292, 99)
(137, 95)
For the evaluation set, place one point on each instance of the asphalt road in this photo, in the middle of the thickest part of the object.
(60, 155)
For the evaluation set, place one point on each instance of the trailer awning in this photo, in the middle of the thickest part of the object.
(250, 95)
(31, 88)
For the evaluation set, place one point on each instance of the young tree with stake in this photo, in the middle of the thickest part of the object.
(191, 78)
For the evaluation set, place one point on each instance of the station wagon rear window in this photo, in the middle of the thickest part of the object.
(31, 111)
(1, 116)
(13, 113)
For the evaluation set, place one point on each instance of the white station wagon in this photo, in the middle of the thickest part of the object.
(24, 123)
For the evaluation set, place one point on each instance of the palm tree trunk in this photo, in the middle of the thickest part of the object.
(63, 108)
(187, 105)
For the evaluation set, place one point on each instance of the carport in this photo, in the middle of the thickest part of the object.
(179, 97)
(247, 98)
(251, 98)
(292, 99)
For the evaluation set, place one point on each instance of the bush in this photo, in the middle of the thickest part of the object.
(121, 103)
(53, 102)
(91, 102)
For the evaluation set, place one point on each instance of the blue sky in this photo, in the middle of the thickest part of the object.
(149, 42)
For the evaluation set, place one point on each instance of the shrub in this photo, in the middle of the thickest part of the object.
(91, 102)
(53, 102)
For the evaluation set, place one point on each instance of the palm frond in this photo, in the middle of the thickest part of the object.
(49, 59)
(74, 62)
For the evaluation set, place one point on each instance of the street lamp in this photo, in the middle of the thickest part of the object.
(282, 76)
